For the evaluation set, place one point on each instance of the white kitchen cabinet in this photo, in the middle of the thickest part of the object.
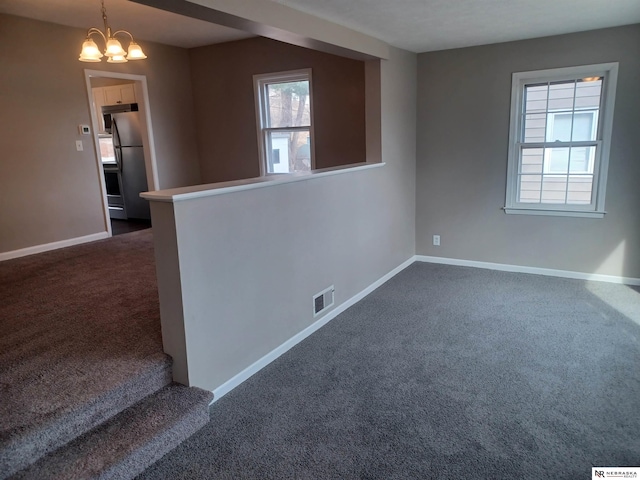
(117, 94)
(112, 95)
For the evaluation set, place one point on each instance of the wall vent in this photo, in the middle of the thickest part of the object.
(322, 301)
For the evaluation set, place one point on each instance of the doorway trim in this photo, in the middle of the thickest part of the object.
(142, 97)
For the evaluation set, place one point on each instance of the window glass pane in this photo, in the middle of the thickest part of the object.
(556, 160)
(579, 189)
(554, 185)
(289, 104)
(534, 127)
(577, 127)
(561, 96)
(562, 111)
(107, 153)
(574, 190)
(529, 188)
(554, 189)
(535, 98)
(588, 93)
(532, 160)
(560, 127)
(289, 152)
(584, 126)
(582, 159)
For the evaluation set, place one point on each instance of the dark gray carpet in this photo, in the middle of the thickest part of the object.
(130, 441)
(119, 227)
(443, 372)
(79, 341)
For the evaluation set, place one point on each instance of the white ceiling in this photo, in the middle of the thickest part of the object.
(427, 25)
(415, 25)
(140, 20)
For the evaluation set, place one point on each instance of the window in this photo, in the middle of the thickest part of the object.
(559, 140)
(285, 121)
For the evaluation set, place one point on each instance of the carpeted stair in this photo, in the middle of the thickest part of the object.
(48, 423)
(85, 389)
(114, 434)
(129, 442)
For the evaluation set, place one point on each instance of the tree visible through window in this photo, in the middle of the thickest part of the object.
(285, 121)
(559, 140)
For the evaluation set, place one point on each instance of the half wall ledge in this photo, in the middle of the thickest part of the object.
(173, 195)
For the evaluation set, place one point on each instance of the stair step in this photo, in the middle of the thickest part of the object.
(41, 433)
(128, 443)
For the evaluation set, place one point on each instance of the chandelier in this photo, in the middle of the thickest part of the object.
(113, 49)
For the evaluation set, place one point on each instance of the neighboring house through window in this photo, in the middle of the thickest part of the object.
(285, 121)
(559, 140)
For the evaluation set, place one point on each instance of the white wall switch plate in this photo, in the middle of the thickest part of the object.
(79, 146)
(436, 240)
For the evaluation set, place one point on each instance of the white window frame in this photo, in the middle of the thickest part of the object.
(260, 83)
(609, 72)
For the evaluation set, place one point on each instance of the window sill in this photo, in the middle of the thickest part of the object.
(552, 213)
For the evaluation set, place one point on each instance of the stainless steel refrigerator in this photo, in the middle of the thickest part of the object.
(123, 122)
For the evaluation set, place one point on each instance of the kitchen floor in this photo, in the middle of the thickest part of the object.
(118, 227)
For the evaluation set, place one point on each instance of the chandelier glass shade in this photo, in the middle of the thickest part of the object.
(112, 47)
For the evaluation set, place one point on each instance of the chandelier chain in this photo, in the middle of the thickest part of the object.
(104, 15)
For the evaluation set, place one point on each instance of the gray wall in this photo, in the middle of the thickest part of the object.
(250, 261)
(225, 109)
(48, 191)
(462, 141)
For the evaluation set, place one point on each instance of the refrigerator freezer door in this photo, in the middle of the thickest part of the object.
(128, 129)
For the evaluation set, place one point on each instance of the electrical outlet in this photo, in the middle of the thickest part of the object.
(79, 146)
(436, 240)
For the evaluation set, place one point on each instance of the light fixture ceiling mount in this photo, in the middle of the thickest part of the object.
(113, 48)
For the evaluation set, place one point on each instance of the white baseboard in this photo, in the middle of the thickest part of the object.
(23, 252)
(534, 270)
(230, 384)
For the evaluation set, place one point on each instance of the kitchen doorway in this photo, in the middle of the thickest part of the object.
(123, 141)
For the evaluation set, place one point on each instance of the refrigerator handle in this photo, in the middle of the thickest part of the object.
(117, 147)
(118, 154)
(114, 133)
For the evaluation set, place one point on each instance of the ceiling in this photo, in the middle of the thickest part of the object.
(142, 21)
(427, 25)
(415, 25)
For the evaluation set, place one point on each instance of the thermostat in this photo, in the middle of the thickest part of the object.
(84, 129)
